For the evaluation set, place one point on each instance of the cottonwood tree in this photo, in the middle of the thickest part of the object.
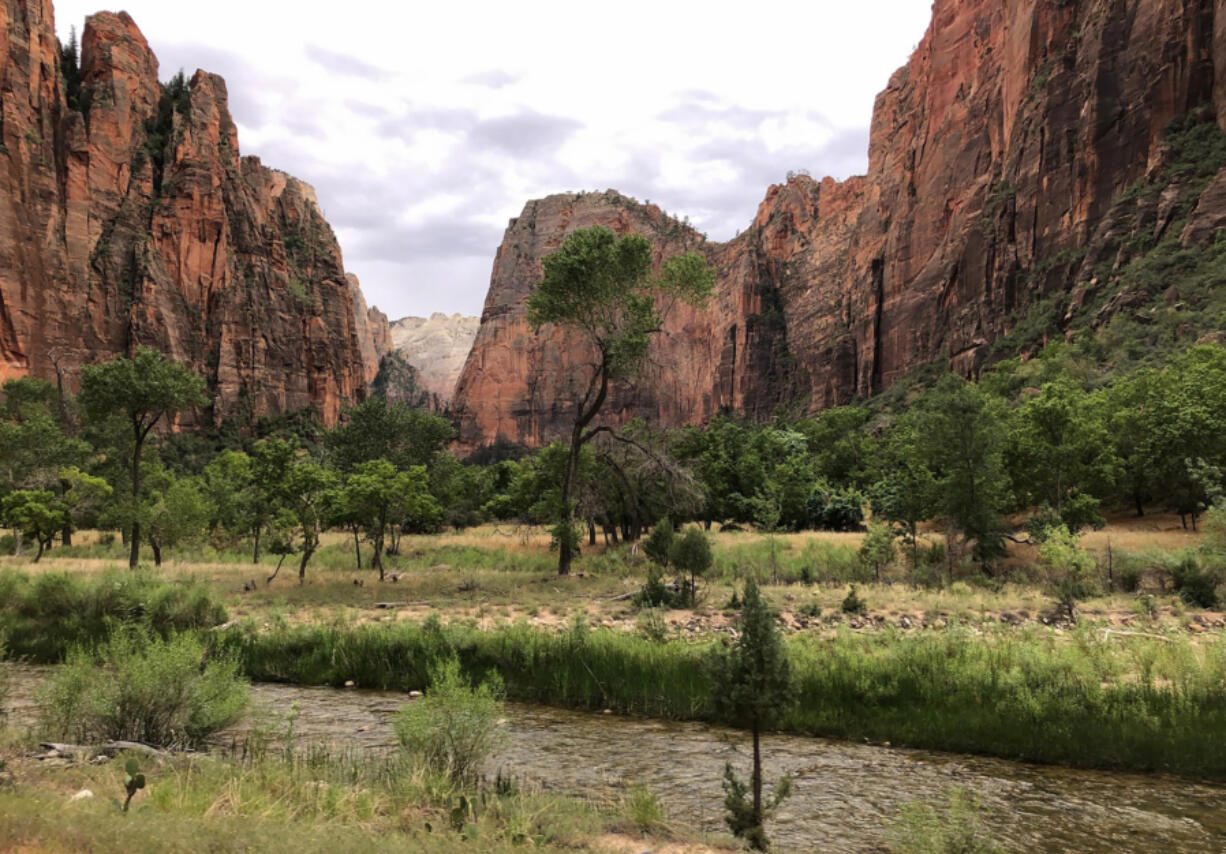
(603, 289)
(752, 687)
(142, 391)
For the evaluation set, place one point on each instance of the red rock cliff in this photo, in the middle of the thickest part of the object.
(996, 158)
(110, 239)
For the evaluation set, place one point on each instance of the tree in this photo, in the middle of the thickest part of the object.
(602, 289)
(380, 429)
(1070, 569)
(141, 390)
(752, 687)
(905, 491)
(37, 513)
(962, 430)
(1060, 454)
(179, 514)
(311, 493)
(877, 549)
(659, 542)
(691, 553)
(377, 496)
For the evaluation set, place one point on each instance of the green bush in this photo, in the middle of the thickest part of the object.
(853, 604)
(955, 828)
(46, 615)
(455, 727)
(139, 687)
(1197, 587)
(659, 542)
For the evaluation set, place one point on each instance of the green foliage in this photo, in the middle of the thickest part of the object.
(1071, 571)
(160, 127)
(659, 542)
(651, 625)
(43, 616)
(455, 727)
(399, 382)
(1196, 586)
(740, 815)
(70, 67)
(383, 429)
(139, 687)
(691, 553)
(36, 513)
(853, 604)
(953, 828)
(877, 548)
(133, 781)
(643, 808)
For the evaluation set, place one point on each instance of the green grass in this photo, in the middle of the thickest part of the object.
(44, 616)
(1076, 699)
(300, 801)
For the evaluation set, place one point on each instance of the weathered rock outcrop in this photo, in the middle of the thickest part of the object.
(437, 346)
(129, 218)
(998, 158)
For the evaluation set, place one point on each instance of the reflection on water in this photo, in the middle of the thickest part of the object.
(843, 792)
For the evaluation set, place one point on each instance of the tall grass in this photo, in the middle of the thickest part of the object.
(43, 616)
(1075, 699)
(141, 688)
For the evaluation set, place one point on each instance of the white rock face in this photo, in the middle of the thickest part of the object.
(437, 346)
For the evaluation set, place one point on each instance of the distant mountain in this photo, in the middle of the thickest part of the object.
(437, 347)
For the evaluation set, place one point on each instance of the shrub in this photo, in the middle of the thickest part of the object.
(643, 808)
(45, 616)
(1128, 580)
(652, 626)
(956, 828)
(655, 593)
(691, 553)
(1070, 569)
(139, 687)
(659, 542)
(1197, 587)
(455, 727)
(853, 604)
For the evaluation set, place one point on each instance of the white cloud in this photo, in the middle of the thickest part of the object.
(425, 127)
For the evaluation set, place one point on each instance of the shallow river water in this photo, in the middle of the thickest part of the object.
(842, 795)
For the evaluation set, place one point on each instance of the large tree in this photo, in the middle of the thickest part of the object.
(605, 290)
(380, 429)
(141, 391)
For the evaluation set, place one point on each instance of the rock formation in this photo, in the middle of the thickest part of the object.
(999, 161)
(437, 346)
(129, 218)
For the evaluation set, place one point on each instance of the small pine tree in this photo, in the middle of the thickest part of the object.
(691, 553)
(753, 688)
(659, 542)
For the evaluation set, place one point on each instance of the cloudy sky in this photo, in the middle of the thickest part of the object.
(426, 126)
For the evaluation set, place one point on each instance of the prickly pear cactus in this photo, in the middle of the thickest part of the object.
(133, 781)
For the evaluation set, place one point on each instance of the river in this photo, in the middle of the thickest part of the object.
(843, 793)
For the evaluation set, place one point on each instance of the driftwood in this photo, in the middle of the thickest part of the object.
(1107, 633)
(110, 748)
(388, 606)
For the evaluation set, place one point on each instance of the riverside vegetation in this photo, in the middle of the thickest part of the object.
(939, 561)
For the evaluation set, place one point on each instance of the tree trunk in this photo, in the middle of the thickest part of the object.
(565, 556)
(357, 546)
(255, 557)
(757, 778)
(591, 533)
(306, 556)
(137, 447)
(157, 552)
(376, 562)
(66, 535)
(39, 556)
(270, 578)
(17, 543)
(1136, 497)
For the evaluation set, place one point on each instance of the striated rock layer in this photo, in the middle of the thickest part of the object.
(437, 346)
(134, 221)
(997, 157)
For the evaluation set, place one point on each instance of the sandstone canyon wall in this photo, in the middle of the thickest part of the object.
(128, 218)
(999, 161)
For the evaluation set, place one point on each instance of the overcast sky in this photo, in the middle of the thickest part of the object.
(426, 126)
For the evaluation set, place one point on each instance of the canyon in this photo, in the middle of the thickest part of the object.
(1003, 163)
(129, 218)
(437, 346)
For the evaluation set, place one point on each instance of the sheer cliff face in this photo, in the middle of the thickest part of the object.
(109, 241)
(996, 156)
